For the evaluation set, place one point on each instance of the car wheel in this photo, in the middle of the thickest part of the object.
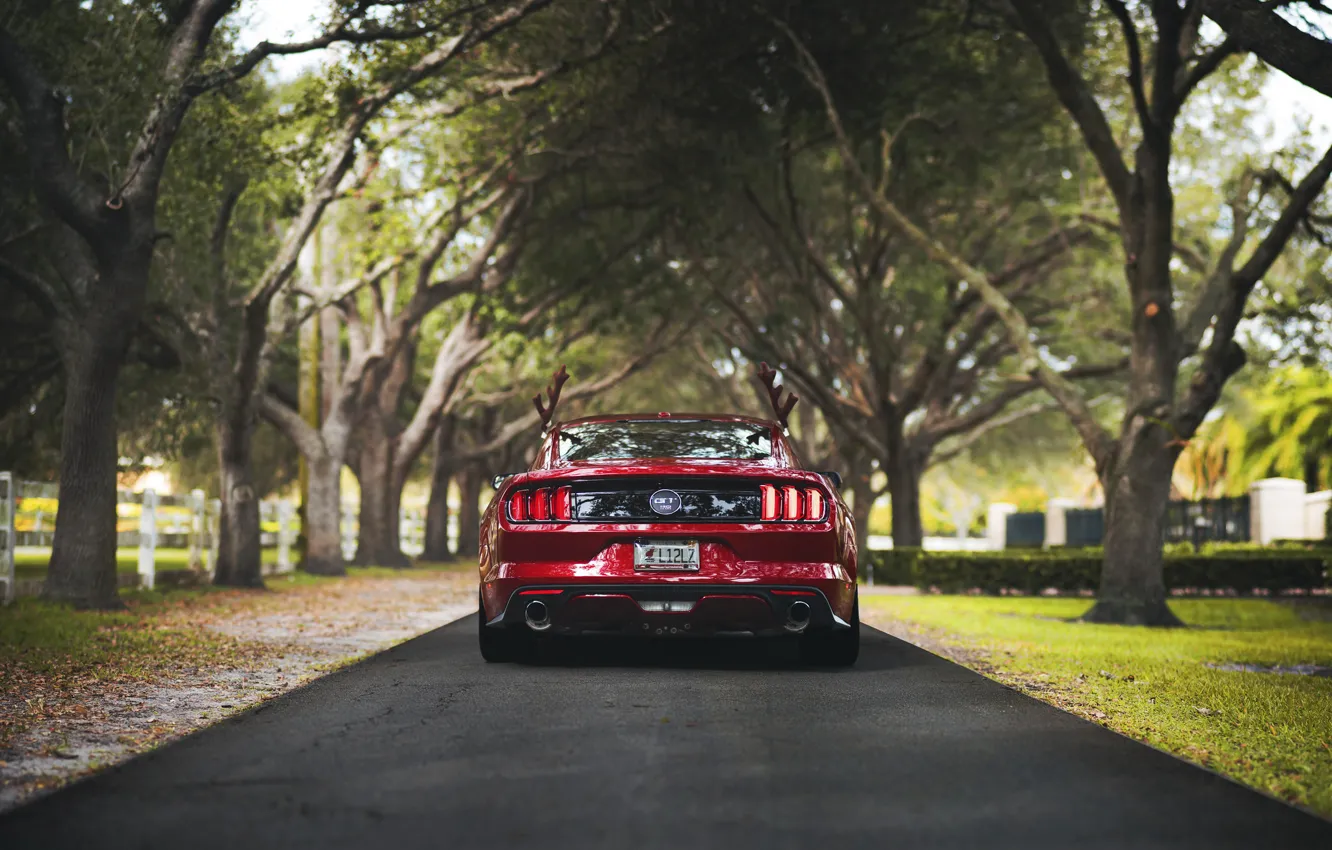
(833, 649)
(501, 645)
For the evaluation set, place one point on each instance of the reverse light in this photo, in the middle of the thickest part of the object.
(666, 607)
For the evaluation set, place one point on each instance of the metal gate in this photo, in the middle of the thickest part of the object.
(1025, 530)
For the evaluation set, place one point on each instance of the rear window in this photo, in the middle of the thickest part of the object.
(665, 438)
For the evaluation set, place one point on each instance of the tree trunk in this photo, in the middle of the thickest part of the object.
(1312, 465)
(469, 511)
(323, 516)
(377, 543)
(862, 500)
(904, 491)
(437, 509)
(238, 554)
(1137, 490)
(903, 468)
(83, 556)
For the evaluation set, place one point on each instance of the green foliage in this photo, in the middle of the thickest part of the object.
(1290, 433)
(1076, 570)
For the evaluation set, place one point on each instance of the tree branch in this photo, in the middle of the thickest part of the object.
(1255, 26)
(58, 181)
(1096, 438)
(1224, 356)
(1074, 93)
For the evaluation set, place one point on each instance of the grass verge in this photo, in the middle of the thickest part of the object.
(1271, 731)
(52, 655)
(30, 564)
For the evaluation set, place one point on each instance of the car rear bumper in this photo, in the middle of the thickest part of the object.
(676, 609)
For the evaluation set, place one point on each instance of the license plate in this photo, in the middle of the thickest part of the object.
(666, 555)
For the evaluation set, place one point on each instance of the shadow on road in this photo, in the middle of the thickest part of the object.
(877, 652)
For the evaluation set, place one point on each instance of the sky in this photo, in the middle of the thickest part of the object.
(1288, 103)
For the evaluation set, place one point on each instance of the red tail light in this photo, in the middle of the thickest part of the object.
(541, 505)
(563, 508)
(791, 503)
(518, 506)
(813, 505)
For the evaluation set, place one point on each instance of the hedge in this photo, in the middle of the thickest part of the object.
(1073, 570)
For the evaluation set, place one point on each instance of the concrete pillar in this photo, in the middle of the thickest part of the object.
(1276, 510)
(1056, 524)
(1315, 514)
(996, 524)
(148, 540)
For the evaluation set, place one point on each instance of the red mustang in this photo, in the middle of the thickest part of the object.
(669, 525)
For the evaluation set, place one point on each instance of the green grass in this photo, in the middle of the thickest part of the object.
(33, 564)
(418, 568)
(1271, 731)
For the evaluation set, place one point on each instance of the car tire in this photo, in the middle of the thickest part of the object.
(838, 648)
(501, 645)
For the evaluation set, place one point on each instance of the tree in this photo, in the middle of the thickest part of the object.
(385, 78)
(910, 368)
(1303, 52)
(1287, 429)
(899, 358)
(1134, 467)
(109, 222)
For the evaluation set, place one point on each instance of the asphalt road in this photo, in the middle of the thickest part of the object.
(687, 746)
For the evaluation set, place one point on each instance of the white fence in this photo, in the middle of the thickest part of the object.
(147, 521)
(411, 530)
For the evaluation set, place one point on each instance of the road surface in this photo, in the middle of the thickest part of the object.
(686, 746)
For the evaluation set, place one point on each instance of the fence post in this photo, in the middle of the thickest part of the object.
(8, 507)
(213, 528)
(1056, 521)
(148, 539)
(347, 525)
(196, 529)
(996, 524)
(284, 514)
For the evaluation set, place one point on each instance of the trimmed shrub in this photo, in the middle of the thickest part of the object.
(1074, 570)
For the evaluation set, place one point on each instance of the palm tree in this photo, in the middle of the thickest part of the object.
(1291, 428)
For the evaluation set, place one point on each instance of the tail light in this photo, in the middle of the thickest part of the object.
(563, 507)
(518, 506)
(542, 505)
(792, 504)
(789, 503)
(813, 505)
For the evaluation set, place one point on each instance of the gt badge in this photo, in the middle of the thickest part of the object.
(665, 502)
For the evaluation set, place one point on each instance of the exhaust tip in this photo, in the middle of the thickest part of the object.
(797, 616)
(537, 615)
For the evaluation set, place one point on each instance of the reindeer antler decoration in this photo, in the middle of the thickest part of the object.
(768, 376)
(553, 393)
